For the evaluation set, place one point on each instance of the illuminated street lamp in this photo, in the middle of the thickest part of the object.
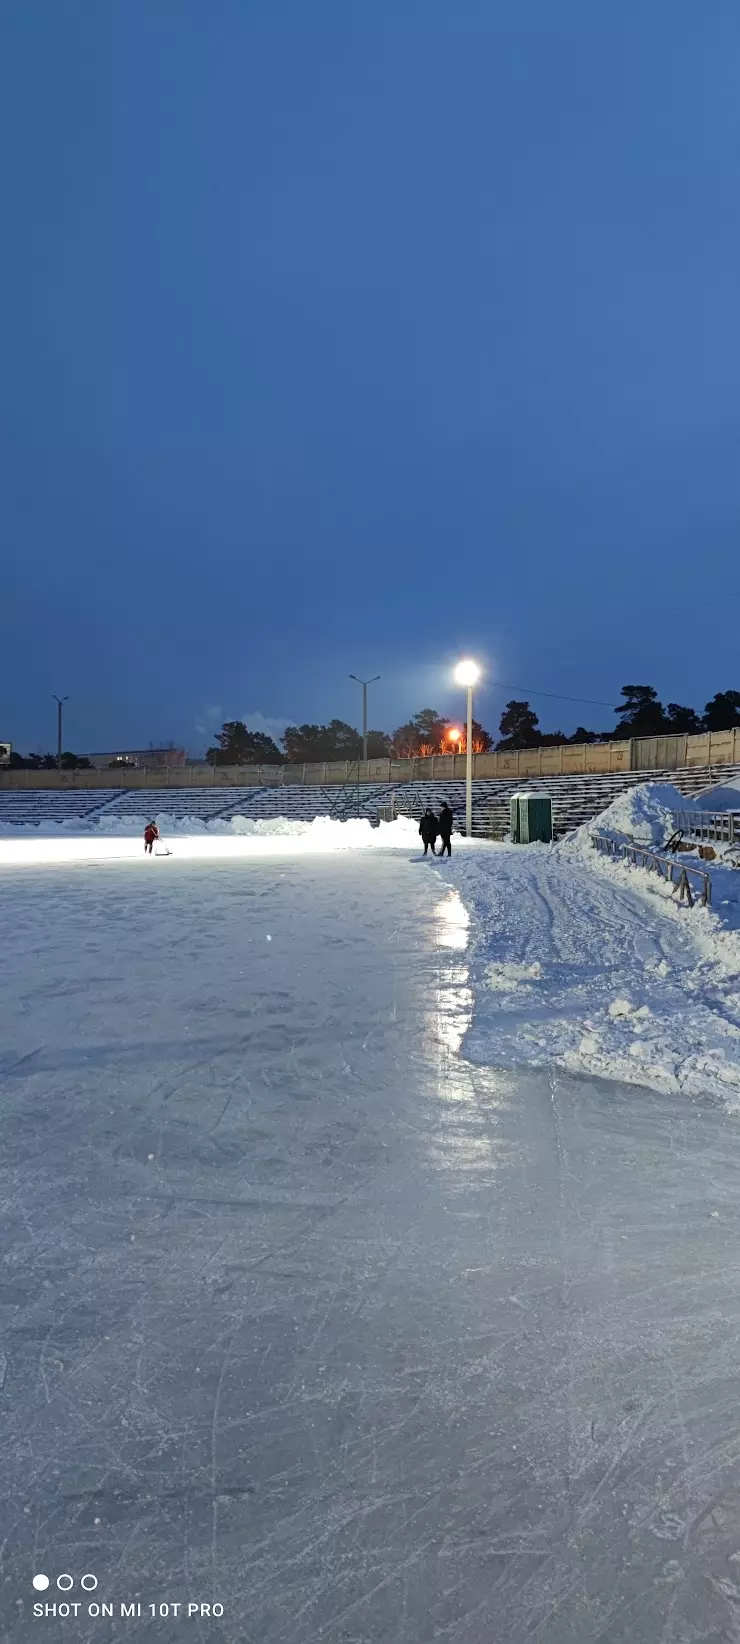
(467, 673)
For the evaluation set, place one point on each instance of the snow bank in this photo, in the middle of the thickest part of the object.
(642, 813)
(192, 838)
(725, 797)
(334, 834)
(585, 964)
(123, 827)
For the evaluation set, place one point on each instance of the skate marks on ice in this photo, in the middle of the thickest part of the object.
(425, 1351)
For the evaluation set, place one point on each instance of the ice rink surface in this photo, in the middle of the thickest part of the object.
(305, 1315)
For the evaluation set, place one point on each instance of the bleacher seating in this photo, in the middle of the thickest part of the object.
(576, 799)
(23, 806)
(204, 803)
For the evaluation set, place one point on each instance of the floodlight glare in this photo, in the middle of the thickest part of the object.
(467, 672)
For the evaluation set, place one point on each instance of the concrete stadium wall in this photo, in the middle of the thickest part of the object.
(656, 753)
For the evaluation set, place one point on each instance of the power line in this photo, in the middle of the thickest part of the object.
(555, 696)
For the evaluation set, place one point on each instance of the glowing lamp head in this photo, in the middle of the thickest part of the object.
(454, 735)
(467, 672)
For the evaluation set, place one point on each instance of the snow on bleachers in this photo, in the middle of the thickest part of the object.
(21, 807)
(575, 799)
(204, 803)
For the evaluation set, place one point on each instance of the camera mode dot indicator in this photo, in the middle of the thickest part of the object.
(41, 1583)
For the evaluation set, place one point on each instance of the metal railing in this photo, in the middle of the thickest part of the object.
(719, 827)
(676, 873)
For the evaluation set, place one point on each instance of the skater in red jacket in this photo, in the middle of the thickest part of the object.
(151, 832)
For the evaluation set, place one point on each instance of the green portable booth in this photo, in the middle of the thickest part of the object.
(531, 818)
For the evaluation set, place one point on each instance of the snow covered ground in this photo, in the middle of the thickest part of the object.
(585, 963)
(581, 966)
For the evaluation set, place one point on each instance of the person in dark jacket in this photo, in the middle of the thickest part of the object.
(429, 828)
(445, 828)
(151, 832)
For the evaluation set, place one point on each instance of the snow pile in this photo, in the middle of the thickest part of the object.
(123, 827)
(582, 963)
(331, 833)
(190, 838)
(642, 813)
(725, 797)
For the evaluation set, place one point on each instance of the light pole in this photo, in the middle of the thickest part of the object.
(364, 683)
(468, 673)
(59, 700)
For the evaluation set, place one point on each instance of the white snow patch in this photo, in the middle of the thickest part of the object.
(642, 813)
(506, 976)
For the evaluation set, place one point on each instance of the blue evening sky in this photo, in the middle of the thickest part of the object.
(350, 336)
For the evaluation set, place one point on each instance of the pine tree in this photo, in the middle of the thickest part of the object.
(519, 726)
(238, 746)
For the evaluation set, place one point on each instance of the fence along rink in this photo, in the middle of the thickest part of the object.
(652, 753)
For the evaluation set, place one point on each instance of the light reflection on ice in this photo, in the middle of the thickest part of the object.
(466, 1145)
(453, 921)
(454, 998)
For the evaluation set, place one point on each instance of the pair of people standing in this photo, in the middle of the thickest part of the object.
(432, 828)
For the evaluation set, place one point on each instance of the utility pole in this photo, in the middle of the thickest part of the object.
(59, 700)
(364, 683)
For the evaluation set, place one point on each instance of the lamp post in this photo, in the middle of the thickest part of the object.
(364, 683)
(467, 673)
(59, 700)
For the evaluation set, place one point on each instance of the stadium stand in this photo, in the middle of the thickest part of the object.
(37, 806)
(576, 799)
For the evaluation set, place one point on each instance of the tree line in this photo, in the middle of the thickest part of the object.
(427, 733)
(47, 762)
(640, 713)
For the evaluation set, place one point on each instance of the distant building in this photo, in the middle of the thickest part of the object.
(139, 759)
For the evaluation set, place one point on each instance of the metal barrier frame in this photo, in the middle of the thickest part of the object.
(665, 866)
(722, 827)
